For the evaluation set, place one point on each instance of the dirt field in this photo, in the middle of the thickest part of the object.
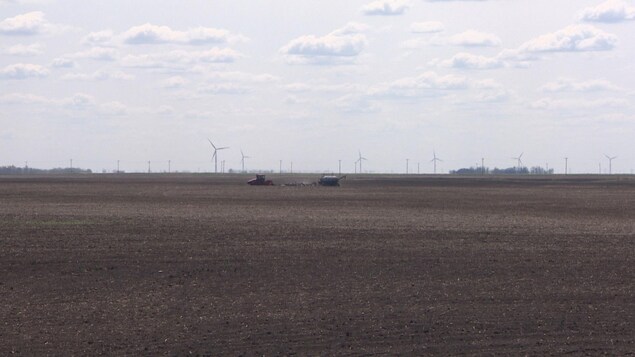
(387, 265)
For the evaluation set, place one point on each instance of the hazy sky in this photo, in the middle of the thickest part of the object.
(313, 82)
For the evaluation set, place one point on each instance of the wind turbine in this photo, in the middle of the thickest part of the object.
(434, 160)
(610, 162)
(519, 162)
(361, 158)
(215, 155)
(242, 160)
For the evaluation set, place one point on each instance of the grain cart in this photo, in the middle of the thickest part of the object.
(330, 180)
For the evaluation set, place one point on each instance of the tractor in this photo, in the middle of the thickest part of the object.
(260, 181)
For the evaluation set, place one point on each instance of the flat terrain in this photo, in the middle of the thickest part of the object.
(386, 265)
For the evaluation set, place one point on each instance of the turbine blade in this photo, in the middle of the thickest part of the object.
(211, 143)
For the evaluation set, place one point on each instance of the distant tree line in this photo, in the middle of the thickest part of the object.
(13, 170)
(536, 170)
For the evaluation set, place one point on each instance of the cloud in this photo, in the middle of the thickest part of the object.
(23, 71)
(577, 104)
(574, 38)
(608, 12)
(31, 23)
(25, 98)
(79, 101)
(113, 108)
(153, 34)
(63, 63)
(469, 38)
(427, 27)
(386, 7)
(98, 76)
(243, 77)
(97, 54)
(472, 38)
(25, 50)
(356, 104)
(568, 85)
(76, 102)
(428, 84)
(100, 38)
(23, 2)
(178, 59)
(465, 60)
(174, 82)
(225, 88)
(338, 47)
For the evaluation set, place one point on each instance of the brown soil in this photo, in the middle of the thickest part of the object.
(177, 264)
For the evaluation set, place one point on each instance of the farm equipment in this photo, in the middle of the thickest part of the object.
(260, 181)
(330, 180)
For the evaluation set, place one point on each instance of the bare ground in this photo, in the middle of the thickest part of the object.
(177, 264)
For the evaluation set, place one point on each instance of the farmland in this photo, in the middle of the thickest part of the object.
(204, 264)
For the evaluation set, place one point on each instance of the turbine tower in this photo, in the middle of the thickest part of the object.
(242, 160)
(519, 161)
(610, 162)
(434, 161)
(361, 158)
(215, 155)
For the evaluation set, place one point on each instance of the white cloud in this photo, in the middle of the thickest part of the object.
(25, 98)
(475, 38)
(177, 59)
(427, 27)
(98, 54)
(174, 82)
(465, 60)
(225, 88)
(428, 84)
(25, 50)
(63, 63)
(23, 71)
(386, 7)
(30, 23)
(243, 77)
(350, 28)
(568, 85)
(490, 91)
(608, 11)
(357, 104)
(574, 38)
(98, 76)
(113, 108)
(577, 104)
(469, 38)
(340, 46)
(79, 101)
(153, 34)
(100, 38)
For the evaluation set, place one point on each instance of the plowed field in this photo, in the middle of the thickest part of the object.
(386, 265)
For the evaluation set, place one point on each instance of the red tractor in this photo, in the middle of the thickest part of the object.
(260, 181)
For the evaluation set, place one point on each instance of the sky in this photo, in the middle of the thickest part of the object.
(315, 82)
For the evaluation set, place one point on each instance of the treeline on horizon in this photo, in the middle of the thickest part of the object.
(536, 170)
(14, 170)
